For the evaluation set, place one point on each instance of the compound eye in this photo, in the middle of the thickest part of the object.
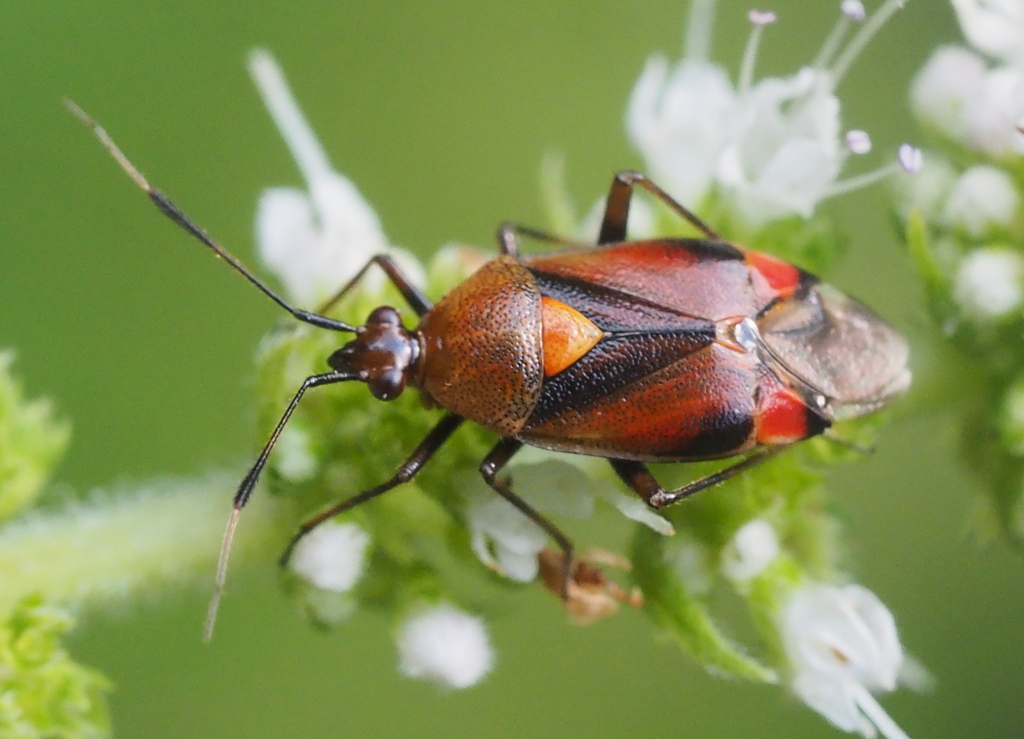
(384, 315)
(387, 384)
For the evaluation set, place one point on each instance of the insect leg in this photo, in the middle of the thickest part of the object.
(172, 211)
(416, 299)
(509, 233)
(405, 472)
(495, 461)
(642, 482)
(616, 212)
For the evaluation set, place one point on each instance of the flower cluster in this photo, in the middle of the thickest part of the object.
(32, 440)
(965, 230)
(759, 156)
(976, 97)
(772, 148)
(45, 693)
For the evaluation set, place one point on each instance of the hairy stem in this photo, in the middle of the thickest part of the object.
(114, 547)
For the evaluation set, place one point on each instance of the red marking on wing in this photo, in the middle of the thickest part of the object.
(782, 415)
(771, 277)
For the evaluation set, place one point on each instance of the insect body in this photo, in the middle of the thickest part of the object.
(636, 351)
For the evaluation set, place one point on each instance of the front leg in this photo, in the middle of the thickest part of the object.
(412, 294)
(509, 233)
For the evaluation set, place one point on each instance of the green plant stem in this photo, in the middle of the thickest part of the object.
(115, 547)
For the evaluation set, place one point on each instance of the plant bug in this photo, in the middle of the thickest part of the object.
(659, 350)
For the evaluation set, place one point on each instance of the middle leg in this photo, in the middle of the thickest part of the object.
(495, 461)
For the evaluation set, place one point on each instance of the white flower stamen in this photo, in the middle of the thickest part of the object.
(910, 158)
(854, 10)
(859, 182)
(858, 142)
(837, 35)
(866, 32)
(446, 646)
(762, 17)
(699, 27)
(759, 19)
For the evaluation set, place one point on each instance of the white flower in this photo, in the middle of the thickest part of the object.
(970, 103)
(946, 87)
(842, 645)
(774, 147)
(753, 547)
(331, 556)
(314, 240)
(786, 154)
(982, 197)
(680, 120)
(994, 26)
(988, 283)
(445, 646)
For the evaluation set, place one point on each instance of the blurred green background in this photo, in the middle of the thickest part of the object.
(440, 113)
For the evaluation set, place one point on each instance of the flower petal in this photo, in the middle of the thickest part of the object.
(679, 121)
(331, 556)
(994, 26)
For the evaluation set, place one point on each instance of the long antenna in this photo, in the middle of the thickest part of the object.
(172, 211)
(249, 484)
(222, 575)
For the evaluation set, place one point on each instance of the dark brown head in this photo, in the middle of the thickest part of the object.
(383, 354)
